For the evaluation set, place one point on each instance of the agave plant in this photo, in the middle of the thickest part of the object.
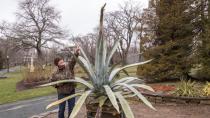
(103, 83)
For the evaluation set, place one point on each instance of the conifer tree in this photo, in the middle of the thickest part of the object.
(172, 47)
(204, 38)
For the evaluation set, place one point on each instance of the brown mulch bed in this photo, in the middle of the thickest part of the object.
(163, 111)
(22, 85)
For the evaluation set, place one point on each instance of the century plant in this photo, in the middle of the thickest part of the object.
(102, 82)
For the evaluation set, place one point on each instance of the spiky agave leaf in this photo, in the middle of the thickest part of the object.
(102, 100)
(125, 80)
(104, 68)
(114, 66)
(104, 56)
(76, 80)
(113, 50)
(141, 97)
(84, 82)
(111, 97)
(88, 66)
(125, 106)
(62, 100)
(117, 70)
(79, 104)
(91, 76)
(86, 62)
(84, 55)
(110, 55)
(129, 95)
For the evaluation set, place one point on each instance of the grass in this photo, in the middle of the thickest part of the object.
(9, 94)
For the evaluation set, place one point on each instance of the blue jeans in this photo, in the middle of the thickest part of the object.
(71, 103)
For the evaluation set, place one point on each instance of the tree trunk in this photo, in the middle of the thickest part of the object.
(209, 11)
(125, 56)
(203, 19)
(39, 54)
(40, 59)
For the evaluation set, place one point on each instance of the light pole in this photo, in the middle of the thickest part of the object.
(7, 63)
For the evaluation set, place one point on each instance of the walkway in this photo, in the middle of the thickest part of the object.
(3, 72)
(163, 111)
(26, 108)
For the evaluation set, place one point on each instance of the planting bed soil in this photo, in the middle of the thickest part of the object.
(22, 85)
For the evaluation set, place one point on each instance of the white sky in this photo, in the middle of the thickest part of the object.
(79, 16)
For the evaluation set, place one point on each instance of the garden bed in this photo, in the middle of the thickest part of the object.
(164, 93)
(22, 85)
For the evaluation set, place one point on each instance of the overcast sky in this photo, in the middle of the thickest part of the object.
(79, 16)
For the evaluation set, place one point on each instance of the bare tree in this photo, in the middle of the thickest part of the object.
(11, 50)
(147, 28)
(123, 25)
(37, 25)
(88, 43)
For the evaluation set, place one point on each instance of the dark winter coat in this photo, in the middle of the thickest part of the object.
(66, 73)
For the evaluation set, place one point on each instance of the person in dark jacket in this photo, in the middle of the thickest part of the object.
(65, 71)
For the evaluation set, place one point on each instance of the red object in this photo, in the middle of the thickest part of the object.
(164, 88)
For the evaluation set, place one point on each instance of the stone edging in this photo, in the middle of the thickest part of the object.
(160, 98)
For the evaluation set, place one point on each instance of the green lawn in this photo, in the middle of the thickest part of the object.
(8, 91)
(9, 94)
